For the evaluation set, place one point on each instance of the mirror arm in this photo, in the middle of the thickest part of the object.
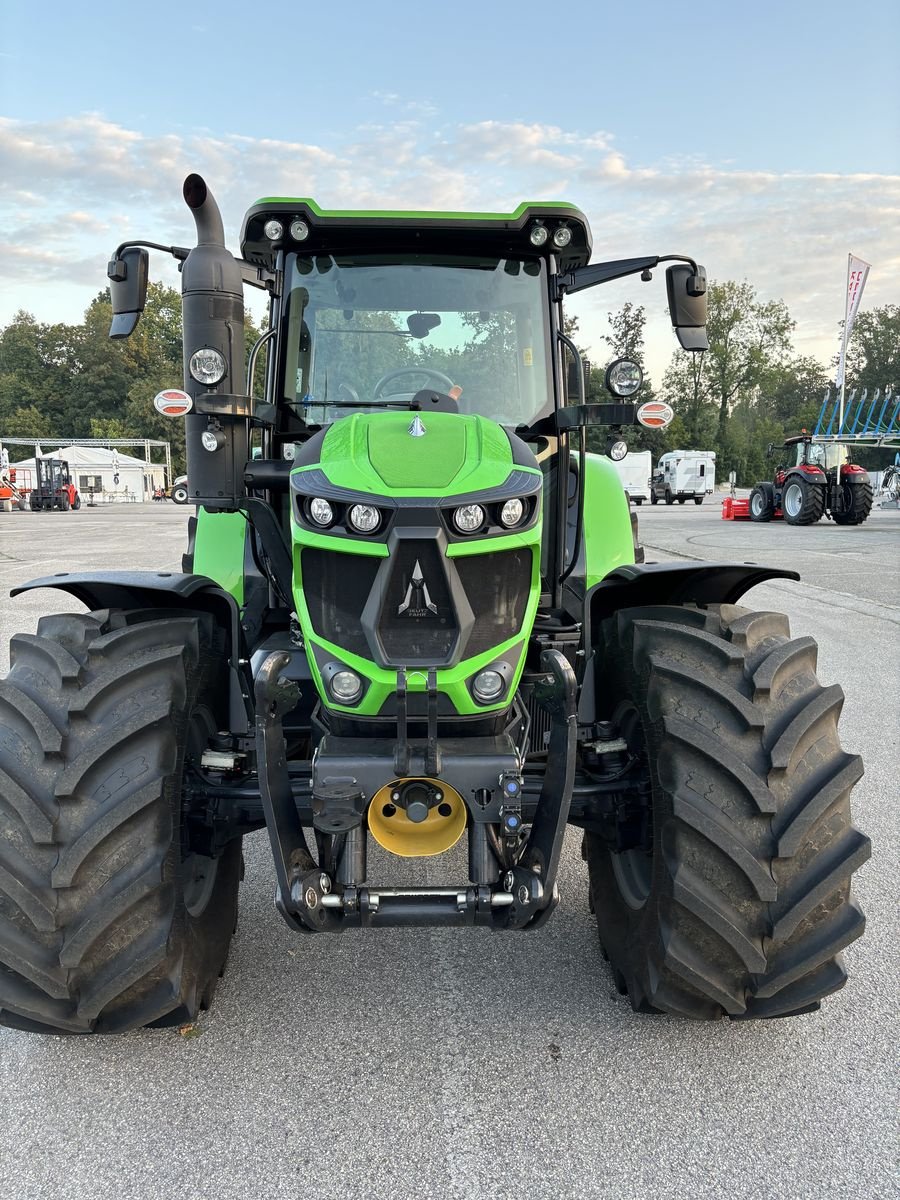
(594, 273)
(179, 252)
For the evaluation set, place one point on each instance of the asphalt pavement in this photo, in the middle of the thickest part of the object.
(464, 1064)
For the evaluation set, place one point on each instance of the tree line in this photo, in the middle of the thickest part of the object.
(749, 388)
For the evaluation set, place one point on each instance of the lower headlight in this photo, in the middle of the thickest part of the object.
(617, 449)
(321, 511)
(365, 517)
(346, 686)
(487, 686)
(468, 517)
(511, 513)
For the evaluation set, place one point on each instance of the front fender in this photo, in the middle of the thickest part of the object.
(130, 590)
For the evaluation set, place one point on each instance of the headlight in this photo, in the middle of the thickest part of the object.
(212, 439)
(299, 230)
(511, 513)
(207, 366)
(321, 511)
(468, 518)
(616, 449)
(623, 377)
(487, 686)
(538, 235)
(562, 236)
(346, 686)
(273, 230)
(365, 517)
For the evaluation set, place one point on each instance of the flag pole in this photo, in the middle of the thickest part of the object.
(843, 364)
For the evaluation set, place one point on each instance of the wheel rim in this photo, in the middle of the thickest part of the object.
(793, 499)
(633, 869)
(756, 505)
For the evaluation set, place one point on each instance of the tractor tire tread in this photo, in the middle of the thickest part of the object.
(749, 905)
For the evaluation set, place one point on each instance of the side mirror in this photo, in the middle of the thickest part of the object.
(687, 305)
(128, 277)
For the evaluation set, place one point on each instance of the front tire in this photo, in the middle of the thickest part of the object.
(858, 504)
(654, 499)
(698, 499)
(108, 921)
(180, 494)
(670, 499)
(738, 903)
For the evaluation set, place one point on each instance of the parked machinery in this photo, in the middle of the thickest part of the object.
(819, 481)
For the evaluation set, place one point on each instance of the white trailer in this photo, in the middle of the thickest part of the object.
(684, 475)
(634, 471)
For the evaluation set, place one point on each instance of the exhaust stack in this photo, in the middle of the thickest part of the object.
(213, 319)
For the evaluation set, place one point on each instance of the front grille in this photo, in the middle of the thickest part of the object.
(497, 587)
(336, 588)
(418, 622)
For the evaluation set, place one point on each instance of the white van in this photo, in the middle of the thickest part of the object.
(684, 475)
(634, 471)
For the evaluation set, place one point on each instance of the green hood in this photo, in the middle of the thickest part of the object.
(416, 454)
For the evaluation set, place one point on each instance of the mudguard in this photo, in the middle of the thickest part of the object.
(640, 585)
(151, 589)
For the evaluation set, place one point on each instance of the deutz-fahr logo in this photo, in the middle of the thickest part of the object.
(416, 427)
(417, 602)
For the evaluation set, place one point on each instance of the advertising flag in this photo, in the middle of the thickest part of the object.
(857, 274)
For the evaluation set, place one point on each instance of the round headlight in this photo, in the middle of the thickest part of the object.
(624, 377)
(299, 230)
(211, 440)
(207, 366)
(562, 236)
(538, 235)
(365, 517)
(617, 450)
(346, 686)
(468, 518)
(321, 511)
(511, 513)
(273, 230)
(487, 686)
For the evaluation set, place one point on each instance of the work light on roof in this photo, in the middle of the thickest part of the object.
(299, 230)
(273, 230)
(562, 236)
(539, 234)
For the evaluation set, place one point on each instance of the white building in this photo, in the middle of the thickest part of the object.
(106, 475)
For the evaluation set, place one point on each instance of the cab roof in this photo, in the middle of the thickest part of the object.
(365, 231)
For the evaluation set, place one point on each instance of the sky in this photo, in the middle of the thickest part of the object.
(762, 139)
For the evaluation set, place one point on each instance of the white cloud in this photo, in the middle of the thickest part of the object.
(71, 189)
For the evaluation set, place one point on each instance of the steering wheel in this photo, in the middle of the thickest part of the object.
(349, 390)
(444, 380)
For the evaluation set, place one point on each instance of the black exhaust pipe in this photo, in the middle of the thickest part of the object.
(213, 319)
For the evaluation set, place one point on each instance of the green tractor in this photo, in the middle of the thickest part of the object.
(413, 613)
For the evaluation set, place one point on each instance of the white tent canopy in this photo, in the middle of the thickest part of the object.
(95, 469)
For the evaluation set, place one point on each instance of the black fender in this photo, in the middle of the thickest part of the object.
(640, 585)
(131, 590)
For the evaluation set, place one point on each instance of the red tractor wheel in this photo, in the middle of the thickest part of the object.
(802, 502)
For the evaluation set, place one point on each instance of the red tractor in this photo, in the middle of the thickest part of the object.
(54, 487)
(821, 481)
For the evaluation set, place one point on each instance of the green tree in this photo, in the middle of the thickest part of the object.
(873, 355)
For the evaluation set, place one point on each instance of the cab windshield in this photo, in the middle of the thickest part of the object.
(368, 332)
